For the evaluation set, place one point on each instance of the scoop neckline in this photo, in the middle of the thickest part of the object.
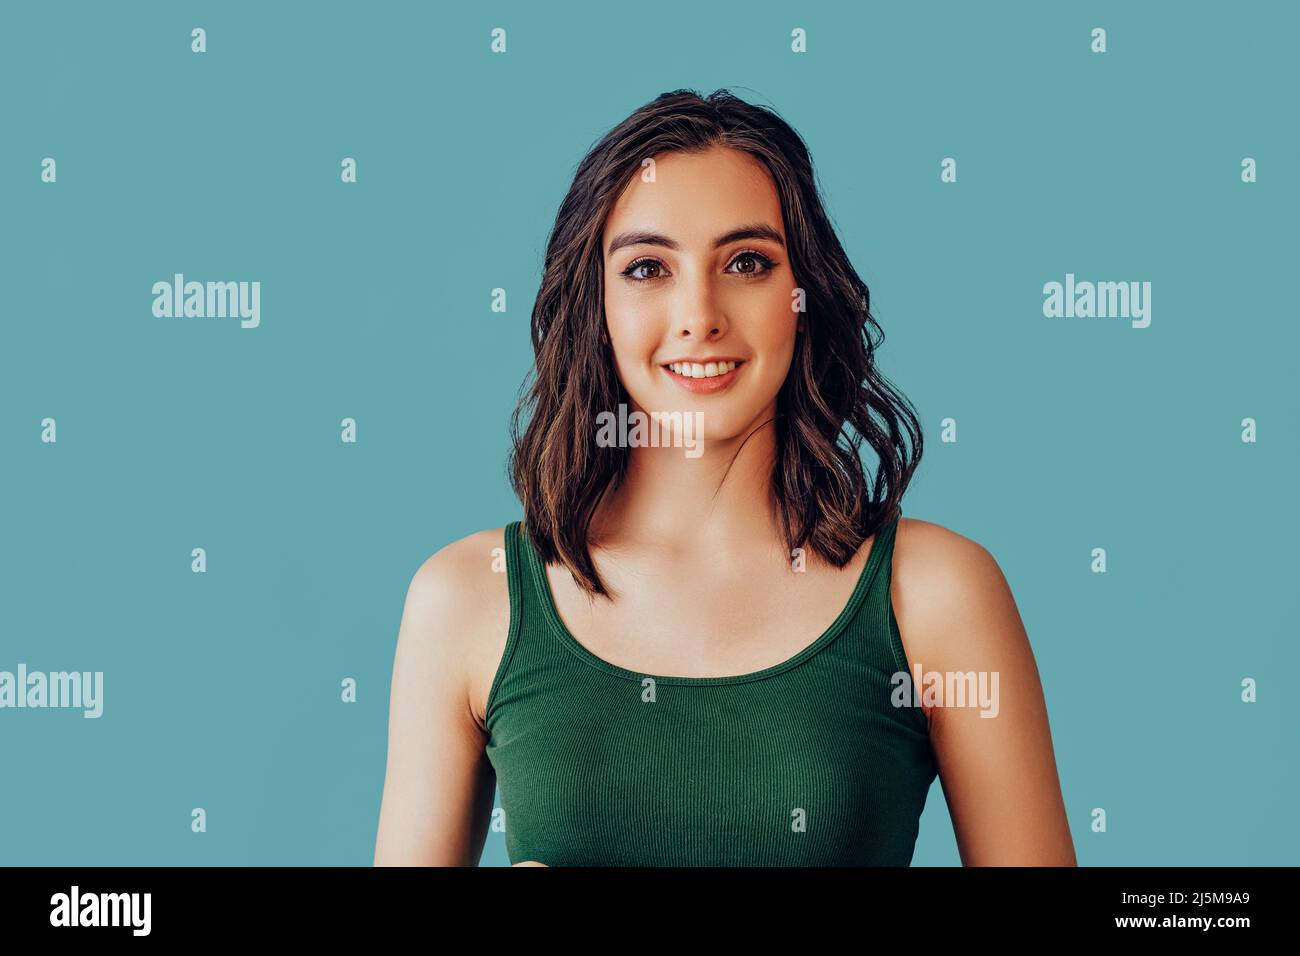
(550, 611)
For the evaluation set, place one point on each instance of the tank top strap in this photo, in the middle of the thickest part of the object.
(528, 643)
(882, 554)
(516, 585)
(869, 606)
(878, 606)
(875, 627)
(516, 570)
(527, 599)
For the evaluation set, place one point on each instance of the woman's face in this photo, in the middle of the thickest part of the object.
(696, 269)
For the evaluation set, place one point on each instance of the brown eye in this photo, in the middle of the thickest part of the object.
(753, 257)
(643, 264)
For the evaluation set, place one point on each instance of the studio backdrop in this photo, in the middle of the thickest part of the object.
(1077, 222)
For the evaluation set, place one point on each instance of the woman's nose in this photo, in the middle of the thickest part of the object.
(697, 314)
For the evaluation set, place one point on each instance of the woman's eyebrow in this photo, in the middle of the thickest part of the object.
(753, 230)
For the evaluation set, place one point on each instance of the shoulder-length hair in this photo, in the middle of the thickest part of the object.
(824, 407)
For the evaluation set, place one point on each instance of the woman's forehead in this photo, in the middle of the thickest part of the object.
(693, 198)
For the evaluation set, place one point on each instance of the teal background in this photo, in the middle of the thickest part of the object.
(222, 689)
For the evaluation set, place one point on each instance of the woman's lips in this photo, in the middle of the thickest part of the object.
(704, 385)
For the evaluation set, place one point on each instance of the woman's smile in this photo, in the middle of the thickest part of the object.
(704, 376)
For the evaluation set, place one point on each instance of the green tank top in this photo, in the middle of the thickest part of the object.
(804, 763)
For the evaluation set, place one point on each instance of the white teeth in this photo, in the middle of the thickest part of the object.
(697, 370)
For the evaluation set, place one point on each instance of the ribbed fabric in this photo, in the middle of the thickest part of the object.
(805, 763)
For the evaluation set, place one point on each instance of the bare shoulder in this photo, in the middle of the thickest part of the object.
(948, 592)
(463, 571)
(459, 599)
(934, 559)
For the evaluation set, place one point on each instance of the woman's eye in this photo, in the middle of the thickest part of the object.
(641, 264)
(754, 257)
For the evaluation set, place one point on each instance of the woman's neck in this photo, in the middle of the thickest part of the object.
(673, 503)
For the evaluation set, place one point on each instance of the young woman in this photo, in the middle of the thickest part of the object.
(711, 648)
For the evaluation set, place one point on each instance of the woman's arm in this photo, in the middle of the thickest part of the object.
(439, 785)
(956, 615)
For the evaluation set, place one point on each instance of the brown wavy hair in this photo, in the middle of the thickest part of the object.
(824, 407)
